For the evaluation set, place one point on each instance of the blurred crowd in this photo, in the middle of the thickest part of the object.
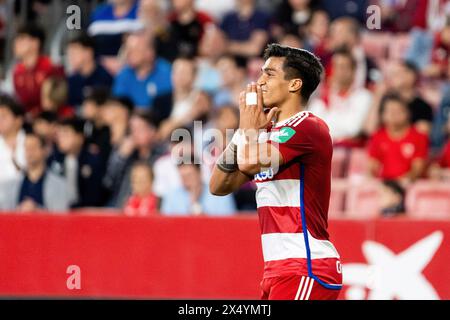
(97, 129)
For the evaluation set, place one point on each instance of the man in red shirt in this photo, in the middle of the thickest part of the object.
(397, 151)
(290, 161)
(32, 69)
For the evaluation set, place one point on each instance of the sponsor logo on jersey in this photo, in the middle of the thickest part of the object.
(263, 175)
(283, 135)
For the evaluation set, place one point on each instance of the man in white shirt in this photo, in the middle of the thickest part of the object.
(12, 139)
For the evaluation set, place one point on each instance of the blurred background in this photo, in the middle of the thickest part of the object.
(91, 91)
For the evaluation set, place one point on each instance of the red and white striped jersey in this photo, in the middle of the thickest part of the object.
(293, 202)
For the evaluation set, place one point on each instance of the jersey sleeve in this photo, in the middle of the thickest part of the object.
(294, 141)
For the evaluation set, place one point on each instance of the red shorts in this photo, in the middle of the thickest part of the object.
(295, 287)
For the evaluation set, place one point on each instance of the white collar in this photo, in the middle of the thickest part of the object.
(278, 124)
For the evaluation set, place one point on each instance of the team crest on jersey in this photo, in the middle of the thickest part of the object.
(283, 135)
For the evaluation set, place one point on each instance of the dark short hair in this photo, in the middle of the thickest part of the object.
(34, 31)
(12, 105)
(392, 96)
(343, 51)
(239, 61)
(41, 139)
(298, 63)
(75, 123)
(149, 117)
(47, 116)
(411, 66)
(123, 101)
(98, 94)
(83, 40)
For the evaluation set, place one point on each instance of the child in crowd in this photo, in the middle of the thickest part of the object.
(142, 201)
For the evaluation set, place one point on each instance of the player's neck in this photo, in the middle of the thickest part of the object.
(289, 109)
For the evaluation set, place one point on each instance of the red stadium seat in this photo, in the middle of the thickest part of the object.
(429, 199)
(337, 198)
(363, 200)
(358, 163)
(338, 162)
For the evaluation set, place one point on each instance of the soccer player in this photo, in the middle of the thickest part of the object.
(290, 160)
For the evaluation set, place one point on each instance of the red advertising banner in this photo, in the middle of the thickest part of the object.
(95, 255)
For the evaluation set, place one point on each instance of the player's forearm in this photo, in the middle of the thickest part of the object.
(223, 183)
(226, 177)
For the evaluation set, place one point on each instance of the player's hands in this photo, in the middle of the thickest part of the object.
(253, 116)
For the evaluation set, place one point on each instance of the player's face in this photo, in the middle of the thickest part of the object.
(274, 86)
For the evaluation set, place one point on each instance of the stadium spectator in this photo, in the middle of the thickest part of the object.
(37, 188)
(216, 9)
(246, 29)
(440, 169)
(142, 201)
(398, 151)
(317, 32)
(81, 166)
(152, 15)
(45, 125)
(145, 76)
(402, 77)
(193, 197)
(345, 33)
(212, 46)
(233, 75)
(32, 68)
(85, 72)
(291, 16)
(115, 114)
(54, 94)
(355, 9)
(186, 28)
(439, 131)
(402, 16)
(187, 103)
(226, 118)
(440, 54)
(110, 22)
(292, 40)
(139, 145)
(97, 134)
(12, 139)
(343, 106)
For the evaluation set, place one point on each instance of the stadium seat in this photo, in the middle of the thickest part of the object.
(357, 166)
(338, 162)
(337, 198)
(429, 200)
(363, 200)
